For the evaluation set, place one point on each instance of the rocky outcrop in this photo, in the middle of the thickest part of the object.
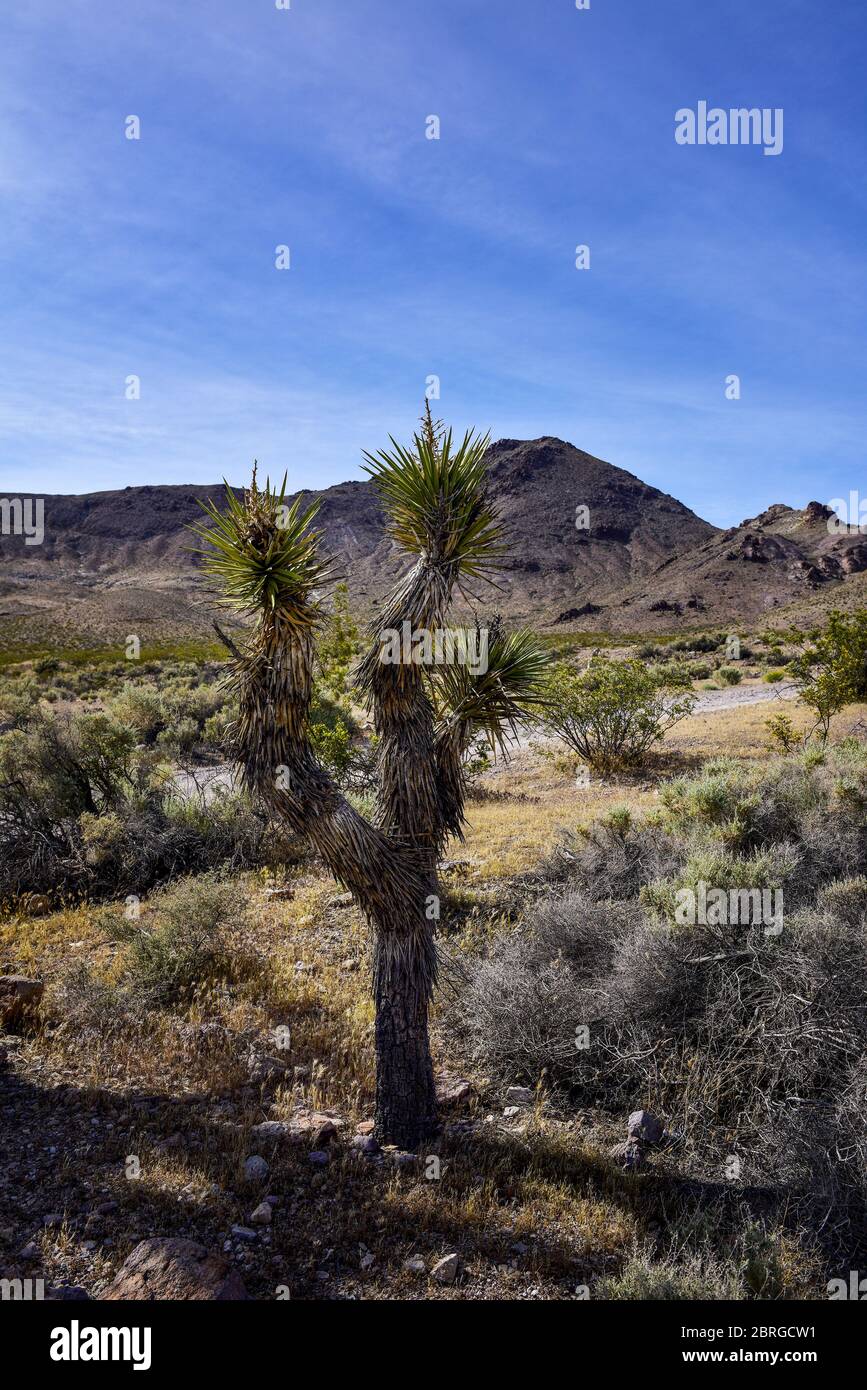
(173, 1268)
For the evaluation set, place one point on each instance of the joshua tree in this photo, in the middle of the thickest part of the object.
(268, 564)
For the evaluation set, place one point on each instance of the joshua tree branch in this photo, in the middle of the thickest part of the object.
(226, 640)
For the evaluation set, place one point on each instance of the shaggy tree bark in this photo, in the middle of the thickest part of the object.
(409, 811)
(390, 868)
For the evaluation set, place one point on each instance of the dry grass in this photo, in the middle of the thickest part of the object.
(532, 1204)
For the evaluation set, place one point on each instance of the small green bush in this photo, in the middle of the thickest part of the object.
(613, 713)
(178, 943)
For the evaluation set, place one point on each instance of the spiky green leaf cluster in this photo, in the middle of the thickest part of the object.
(491, 702)
(436, 497)
(263, 554)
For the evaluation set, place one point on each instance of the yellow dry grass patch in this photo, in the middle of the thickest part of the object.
(741, 732)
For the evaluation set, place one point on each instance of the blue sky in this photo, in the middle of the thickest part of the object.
(413, 257)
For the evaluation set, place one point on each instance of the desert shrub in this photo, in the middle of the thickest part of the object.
(703, 643)
(605, 864)
(718, 1025)
(103, 837)
(614, 712)
(682, 1275)
(332, 746)
(87, 1003)
(19, 702)
(181, 737)
(194, 703)
(339, 647)
(730, 674)
(83, 810)
(215, 730)
(831, 670)
(773, 676)
(179, 942)
(782, 733)
(141, 708)
(699, 670)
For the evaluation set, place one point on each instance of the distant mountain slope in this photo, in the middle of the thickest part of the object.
(785, 564)
(113, 563)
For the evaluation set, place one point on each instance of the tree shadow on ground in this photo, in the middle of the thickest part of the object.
(519, 1210)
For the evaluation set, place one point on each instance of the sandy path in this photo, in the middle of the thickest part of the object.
(743, 695)
(204, 782)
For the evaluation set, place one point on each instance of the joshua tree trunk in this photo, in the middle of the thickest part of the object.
(405, 1094)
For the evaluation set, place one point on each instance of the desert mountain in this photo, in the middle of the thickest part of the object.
(590, 547)
(783, 565)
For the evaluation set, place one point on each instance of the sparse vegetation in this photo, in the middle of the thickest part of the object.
(613, 713)
(714, 1025)
(184, 999)
(830, 671)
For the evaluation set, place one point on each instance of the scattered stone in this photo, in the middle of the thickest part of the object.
(519, 1095)
(453, 1090)
(459, 1130)
(351, 963)
(313, 1127)
(366, 1257)
(366, 1127)
(415, 1265)
(262, 1215)
(270, 1129)
(279, 892)
(207, 1037)
(105, 1208)
(19, 997)
(445, 1271)
(340, 900)
(519, 1248)
(365, 1144)
(628, 1155)
(644, 1127)
(66, 1293)
(173, 1268)
(319, 1158)
(262, 1067)
(244, 1233)
(404, 1159)
(511, 1110)
(255, 1168)
(29, 1251)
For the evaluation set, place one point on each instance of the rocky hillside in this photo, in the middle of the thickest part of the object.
(590, 547)
(115, 562)
(785, 564)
